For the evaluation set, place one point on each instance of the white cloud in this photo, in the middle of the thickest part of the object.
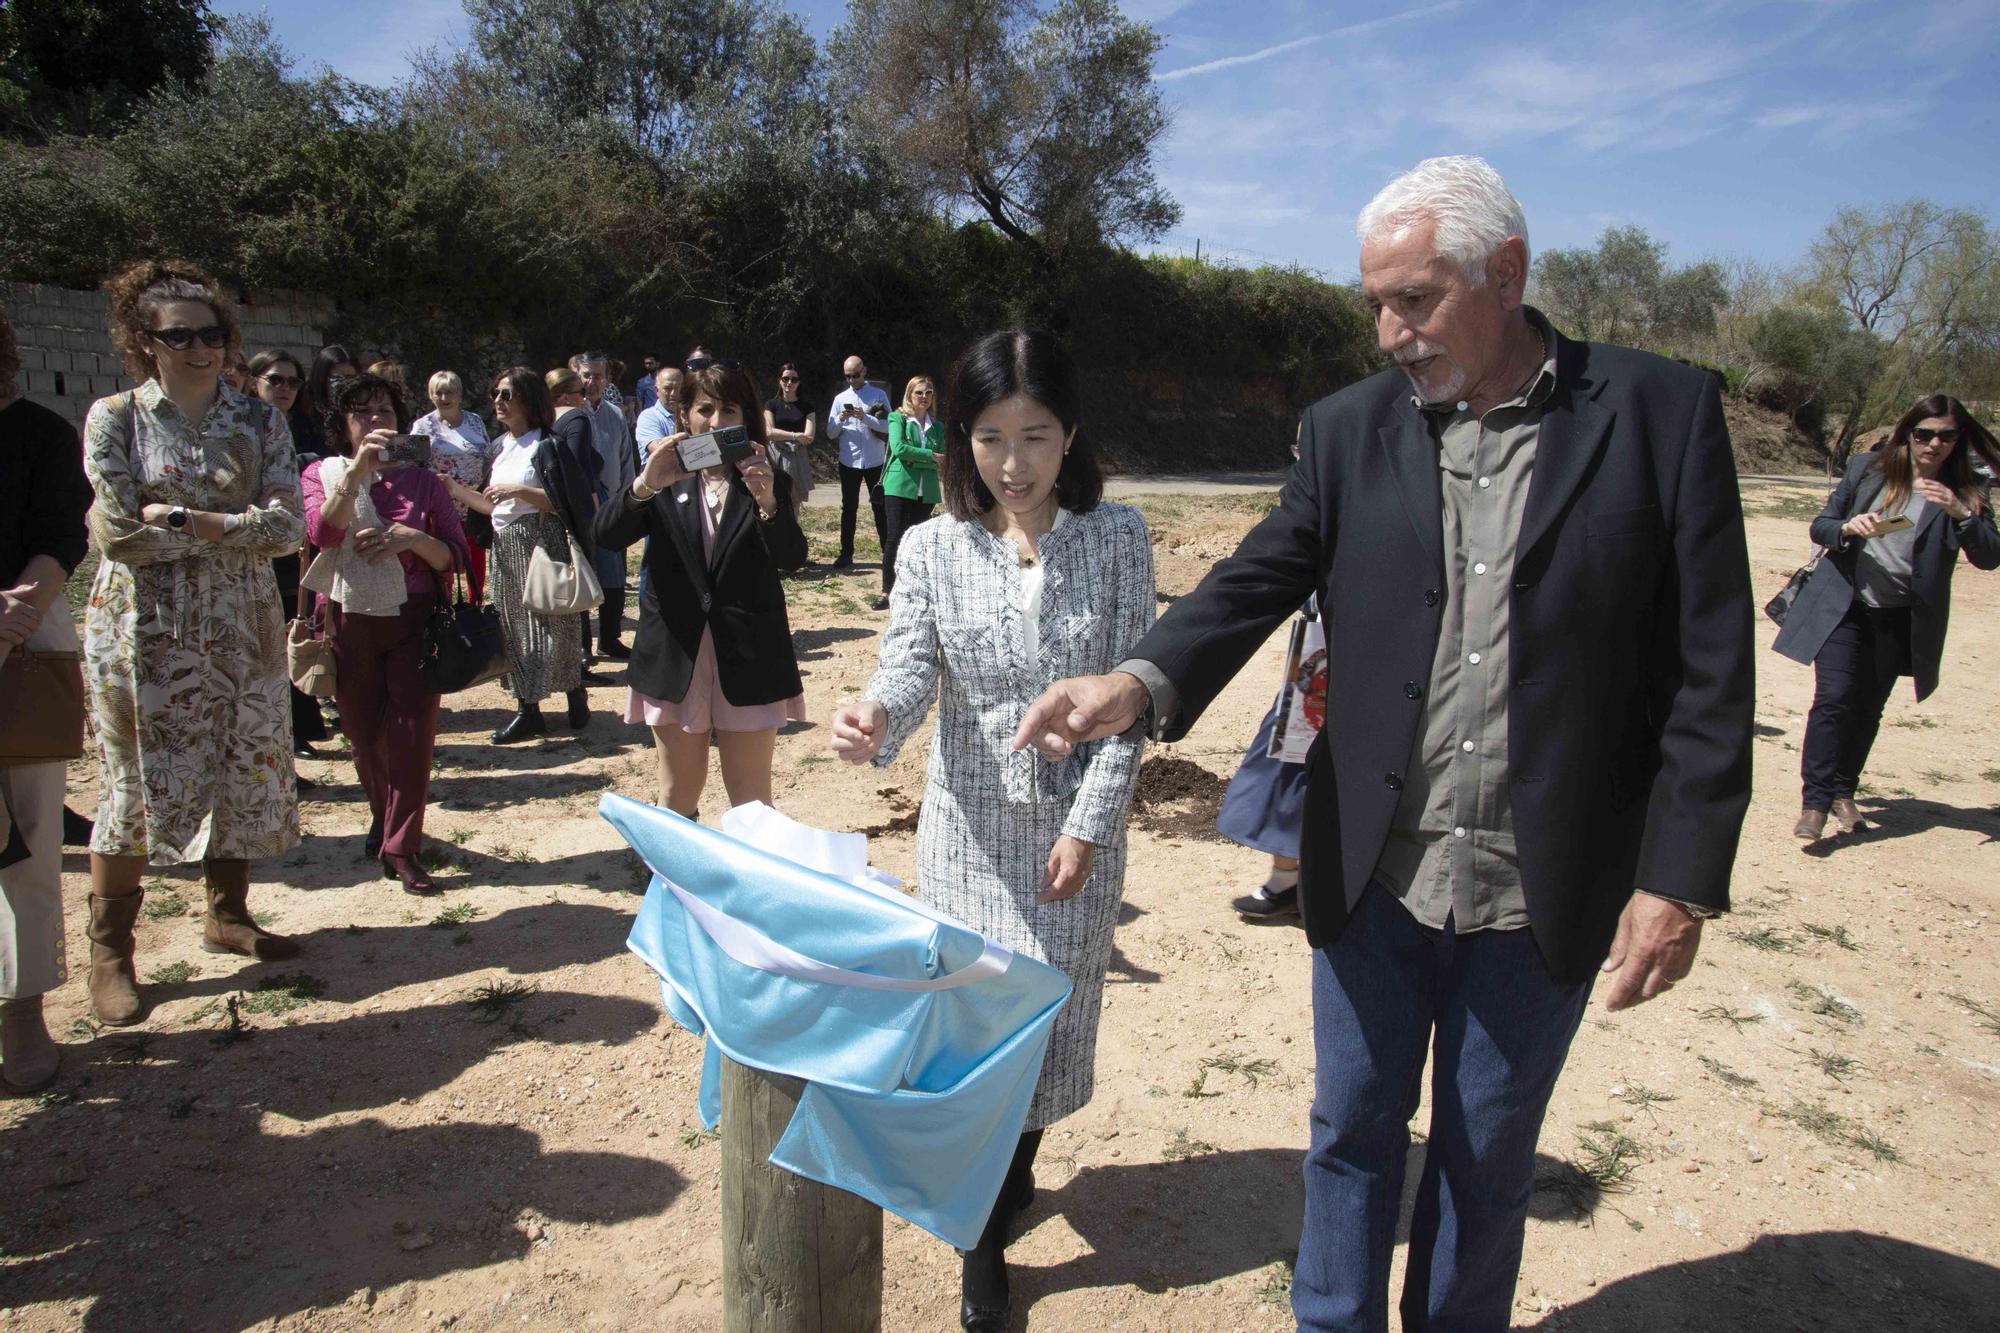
(1265, 53)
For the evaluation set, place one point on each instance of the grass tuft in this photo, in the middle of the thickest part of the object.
(1722, 1013)
(457, 914)
(694, 1136)
(171, 974)
(163, 905)
(1833, 935)
(1989, 1018)
(1724, 1075)
(1767, 938)
(1821, 1001)
(493, 1000)
(1833, 1064)
(283, 992)
(1180, 1147)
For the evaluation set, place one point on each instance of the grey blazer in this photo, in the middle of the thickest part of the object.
(1831, 589)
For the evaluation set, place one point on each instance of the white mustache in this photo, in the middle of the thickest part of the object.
(1416, 351)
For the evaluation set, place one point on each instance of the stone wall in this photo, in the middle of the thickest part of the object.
(67, 361)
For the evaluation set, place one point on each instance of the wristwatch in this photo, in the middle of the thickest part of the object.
(177, 517)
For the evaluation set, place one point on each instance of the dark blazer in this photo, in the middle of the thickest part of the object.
(737, 593)
(1629, 721)
(1832, 587)
(567, 462)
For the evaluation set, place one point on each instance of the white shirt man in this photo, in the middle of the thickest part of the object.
(857, 421)
(656, 422)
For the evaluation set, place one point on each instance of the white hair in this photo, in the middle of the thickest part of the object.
(1474, 210)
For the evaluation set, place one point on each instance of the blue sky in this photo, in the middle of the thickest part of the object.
(1722, 128)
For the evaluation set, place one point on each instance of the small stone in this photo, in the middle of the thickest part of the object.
(1691, 1169)
(1756, 1154)
(420, 1240)
(70, 1173)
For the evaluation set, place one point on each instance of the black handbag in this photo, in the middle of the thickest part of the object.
(1781, 606)
(463, 644)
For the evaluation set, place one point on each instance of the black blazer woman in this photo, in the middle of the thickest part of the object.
(1877, 606)
(714, 647)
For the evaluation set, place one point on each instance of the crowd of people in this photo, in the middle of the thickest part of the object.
(1535, 758)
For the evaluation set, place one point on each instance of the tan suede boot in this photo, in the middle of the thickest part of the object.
(228, 928)
(29, 1056)
(114, 987)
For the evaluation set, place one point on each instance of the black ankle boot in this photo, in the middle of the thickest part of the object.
(371, 846)
(528, 722)
(579, 707)
(984, 1301)
(611, 624)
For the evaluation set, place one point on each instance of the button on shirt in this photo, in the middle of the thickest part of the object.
(1450, 854)
(862, 443)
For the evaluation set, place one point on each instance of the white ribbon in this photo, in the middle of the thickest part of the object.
(843, 856)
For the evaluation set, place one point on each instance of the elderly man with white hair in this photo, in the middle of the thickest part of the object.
(1536, 761)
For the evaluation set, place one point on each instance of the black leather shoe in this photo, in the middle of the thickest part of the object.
(982, 1318)
(579, 707)
(304, 750)
(1285, 902)
(524, 724)
(411, 871)
(844, 562)
(614, 649)
(371, 846)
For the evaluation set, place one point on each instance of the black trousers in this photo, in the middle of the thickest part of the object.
(308, 723)
(851, 481)
(903, 515)
(1853, 675)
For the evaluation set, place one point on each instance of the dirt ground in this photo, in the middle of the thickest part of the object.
(470, 1112)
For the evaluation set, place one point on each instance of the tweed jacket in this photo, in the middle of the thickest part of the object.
(955, 634)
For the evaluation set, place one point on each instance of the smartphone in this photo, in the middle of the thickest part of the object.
(412, 449)
(729, 445)
(1888, 523)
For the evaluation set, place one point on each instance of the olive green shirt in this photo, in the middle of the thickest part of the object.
(1450, 854)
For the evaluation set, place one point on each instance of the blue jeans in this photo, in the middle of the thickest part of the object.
(1387, 992)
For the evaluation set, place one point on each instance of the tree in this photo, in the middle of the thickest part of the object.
(84, 66)
(1813, 355)
(1624, 292)
(1040, 120)
(1922, 281)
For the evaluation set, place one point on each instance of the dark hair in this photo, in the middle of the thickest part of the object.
(359, 392)
(263, 361)
(139, 290)
(726, 384)
(999, 366)
(531, 393)
(319, 396)
(1898, 467)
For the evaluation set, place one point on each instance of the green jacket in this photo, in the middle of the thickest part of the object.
(911, 473)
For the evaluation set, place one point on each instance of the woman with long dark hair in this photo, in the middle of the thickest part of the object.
(334, 362)
(538, 495)
(713, 654)
(1028, 577)
(1878, 604)
(279, 379)
(388, 530)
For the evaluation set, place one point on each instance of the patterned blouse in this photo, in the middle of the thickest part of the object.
(461, 452)
(184, 639)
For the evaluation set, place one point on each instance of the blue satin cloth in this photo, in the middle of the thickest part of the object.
(920, 1041)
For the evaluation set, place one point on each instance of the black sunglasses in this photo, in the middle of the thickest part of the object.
(1925, 434)
(697, 364)
(503, 395)
(278, 381)
(213, 335)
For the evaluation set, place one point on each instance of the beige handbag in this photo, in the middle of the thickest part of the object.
(553, 588)
(309, 659)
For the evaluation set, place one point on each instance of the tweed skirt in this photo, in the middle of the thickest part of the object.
(546, 651)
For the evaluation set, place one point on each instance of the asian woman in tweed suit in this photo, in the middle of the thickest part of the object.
(1028, 577)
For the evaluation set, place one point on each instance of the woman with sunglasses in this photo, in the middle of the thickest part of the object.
(538, 496)
(1877, 605)
(460, 455)
(714, 650)
(277, 378)
(788, 426)
(196, 490)
(388, 530)
(910, 479)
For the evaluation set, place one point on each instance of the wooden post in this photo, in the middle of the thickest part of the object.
(797, 1256)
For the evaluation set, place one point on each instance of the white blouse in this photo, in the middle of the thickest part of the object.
(1032, 578)
(514, 465)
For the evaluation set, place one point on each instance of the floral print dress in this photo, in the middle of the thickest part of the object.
(184, 646)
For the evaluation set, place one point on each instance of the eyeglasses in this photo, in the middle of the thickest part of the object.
(278, 381)
(788, 379)
(697, 364)
(503, 395)
(1925, 434)
(180, 339)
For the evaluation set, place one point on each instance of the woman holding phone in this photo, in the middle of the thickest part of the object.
(1877, 606)
(387, 529)
(714, 650)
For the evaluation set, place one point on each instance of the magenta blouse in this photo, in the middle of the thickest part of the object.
(412, 496)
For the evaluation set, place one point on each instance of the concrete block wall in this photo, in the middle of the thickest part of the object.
(67, 361)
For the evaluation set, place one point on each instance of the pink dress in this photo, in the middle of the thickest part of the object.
(704, 707)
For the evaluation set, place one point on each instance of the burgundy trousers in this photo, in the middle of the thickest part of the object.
(388, 715)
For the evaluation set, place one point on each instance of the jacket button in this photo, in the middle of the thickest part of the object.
(705, 601)
(1430, 597)
(1394, 782)
(1412, 690)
